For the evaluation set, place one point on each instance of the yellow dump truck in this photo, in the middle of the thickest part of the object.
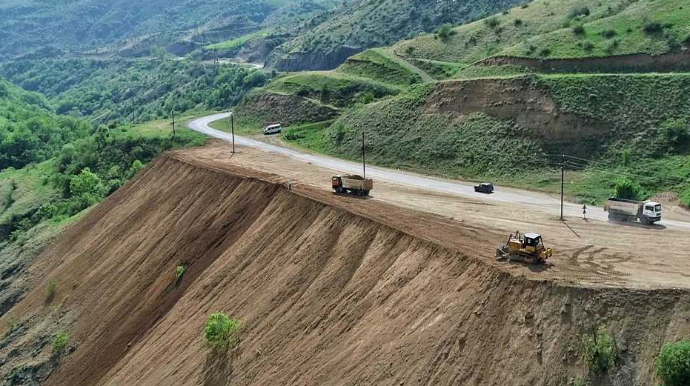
(352, 184)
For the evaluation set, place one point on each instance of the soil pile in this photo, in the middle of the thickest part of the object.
(330, 292)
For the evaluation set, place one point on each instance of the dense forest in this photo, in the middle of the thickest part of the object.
(29, 131)
(133, 90)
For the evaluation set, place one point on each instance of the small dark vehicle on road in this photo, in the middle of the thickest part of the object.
(486, 187)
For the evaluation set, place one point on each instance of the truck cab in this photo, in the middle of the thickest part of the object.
(651, 211)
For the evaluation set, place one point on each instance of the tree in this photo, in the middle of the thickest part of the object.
(627, 189)
(222, 332)
(445, 32)
(673, 364)
(85, 183)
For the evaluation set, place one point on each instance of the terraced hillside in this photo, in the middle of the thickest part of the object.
(498, 110)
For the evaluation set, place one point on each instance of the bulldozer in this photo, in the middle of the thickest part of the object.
(528, 248)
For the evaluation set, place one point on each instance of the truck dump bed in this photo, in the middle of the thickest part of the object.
(357, 183)
(619, 205)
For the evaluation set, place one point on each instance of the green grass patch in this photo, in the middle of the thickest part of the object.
(333, 88)
(60, 342)
(237, 43)
(437, 69)
(375, 65)
(310, 136)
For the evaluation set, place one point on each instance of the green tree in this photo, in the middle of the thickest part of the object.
(445, 32)
(626, 188)
(85, 183)
(673, 364)
(222, 332)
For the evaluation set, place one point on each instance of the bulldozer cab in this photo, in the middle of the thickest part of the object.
(533, 242)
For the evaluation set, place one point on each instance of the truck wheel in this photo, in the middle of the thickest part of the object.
(644, 221)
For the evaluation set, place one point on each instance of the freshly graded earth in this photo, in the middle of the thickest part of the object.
(399, 289)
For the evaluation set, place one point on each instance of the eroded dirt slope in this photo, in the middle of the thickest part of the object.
(330, 293)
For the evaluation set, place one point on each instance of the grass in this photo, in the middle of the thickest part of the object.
(631, 26)
(60, 342)
(335, 88)
(162, 128)
(437, 69)
(24, 190)
(310, 137)
(546, 26)
(238, 42)
(376, 65)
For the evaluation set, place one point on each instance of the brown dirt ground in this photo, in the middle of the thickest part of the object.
(334, 290)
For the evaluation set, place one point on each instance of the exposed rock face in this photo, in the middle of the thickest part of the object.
(302, 61)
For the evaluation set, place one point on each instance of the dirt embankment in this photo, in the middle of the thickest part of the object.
(287, 109)
(332, 291)
(679, 61)
(522, 100)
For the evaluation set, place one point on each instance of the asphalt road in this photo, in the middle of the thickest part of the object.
(548, 204)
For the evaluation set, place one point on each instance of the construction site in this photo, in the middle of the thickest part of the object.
(399, 288)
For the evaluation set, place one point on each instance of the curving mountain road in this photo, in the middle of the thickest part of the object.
(544, 203)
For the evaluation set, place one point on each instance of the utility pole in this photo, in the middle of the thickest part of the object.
(173, 122)
(562, 183)
(232, 128)
(364, 158)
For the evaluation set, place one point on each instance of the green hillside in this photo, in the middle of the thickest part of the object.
(562, 29)
(126, 90)
(502, 116)
(47, 28)
(29, 130)
(374, 23)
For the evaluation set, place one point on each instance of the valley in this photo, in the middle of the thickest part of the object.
(285, 192)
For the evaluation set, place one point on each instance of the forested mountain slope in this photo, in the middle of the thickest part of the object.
(288, 34)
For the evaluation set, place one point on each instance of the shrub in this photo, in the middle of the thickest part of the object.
(445, 31)
(653, 27)
(673, 364)
(676, 134)
(608, 33)
(60, 343)
(492, 22)
(627, 189)
(222, 332)
(517, 22)
(579, 29)
(546, 51)
(179, 272)
(588, 46)
(600, 350)
(52, 289)
(578, 11)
